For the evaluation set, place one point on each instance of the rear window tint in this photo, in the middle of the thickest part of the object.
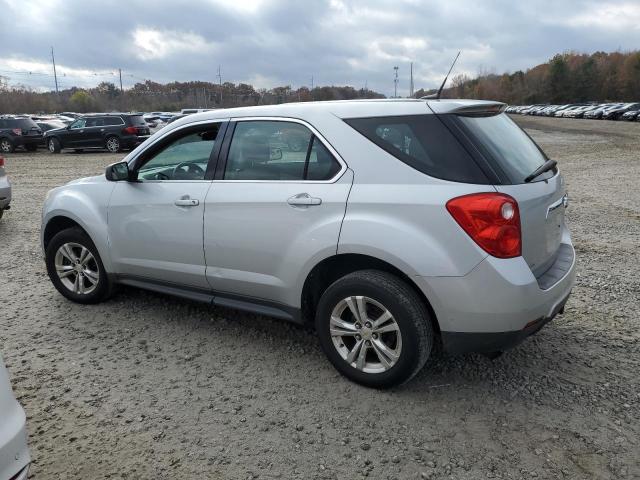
(506, 144)
(113, 121)
(424, 143)
(137, 120)
(23, 123)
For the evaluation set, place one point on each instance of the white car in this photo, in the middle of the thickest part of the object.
(14, 453)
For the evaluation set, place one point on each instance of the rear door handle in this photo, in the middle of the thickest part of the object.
(186, 202)
(303, 199)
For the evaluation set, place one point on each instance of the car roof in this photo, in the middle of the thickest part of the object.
(346, 109)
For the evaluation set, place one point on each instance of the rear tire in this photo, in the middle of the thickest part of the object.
(395, 349)
(75, 268)
(6, 146)
(113, 144)
(53, 144)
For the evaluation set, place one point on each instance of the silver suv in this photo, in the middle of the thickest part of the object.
(389, 224)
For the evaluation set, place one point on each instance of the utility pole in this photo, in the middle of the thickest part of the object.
(311, 82)
(55, 74)
(411, 82)
(120, 73)
(220, 81)
(395, 83)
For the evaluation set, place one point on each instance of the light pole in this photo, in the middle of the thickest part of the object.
(395, 83)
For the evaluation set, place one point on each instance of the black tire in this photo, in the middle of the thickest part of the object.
(53, 145)
(1, 212)
(31, 148)
(113, 144)
(6, 145)
(103, 287)
(408, 310)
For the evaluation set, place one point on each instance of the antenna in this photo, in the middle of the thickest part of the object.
(437, 95)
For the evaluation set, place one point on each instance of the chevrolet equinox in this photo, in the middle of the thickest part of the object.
(389, 224)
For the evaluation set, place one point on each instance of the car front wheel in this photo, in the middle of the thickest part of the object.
(53, 144)
(75, 268)
(374, 328)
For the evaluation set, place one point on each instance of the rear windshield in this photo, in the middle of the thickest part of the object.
(137, 120)
(424, 143)
(23, 123)
(506, 144)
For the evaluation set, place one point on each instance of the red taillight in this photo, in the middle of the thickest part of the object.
(492, 220)
(17, 131)
(130, 131)
(1, 161)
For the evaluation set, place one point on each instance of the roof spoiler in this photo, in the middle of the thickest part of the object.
(483, 110)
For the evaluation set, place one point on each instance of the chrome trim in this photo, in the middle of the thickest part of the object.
(561, 202)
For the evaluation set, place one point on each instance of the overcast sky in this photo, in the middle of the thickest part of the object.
(277, 42)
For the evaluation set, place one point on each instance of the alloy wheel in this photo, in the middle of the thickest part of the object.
(113, 145)
(365, 334)
(77, 268)
(5, 146)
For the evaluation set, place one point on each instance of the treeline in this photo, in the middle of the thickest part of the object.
(152, 96)
(566, 78)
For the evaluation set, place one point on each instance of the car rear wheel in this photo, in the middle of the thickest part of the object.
(53, 144)
(374, 328)
(75, 268)
(113, 144)
(6, 146)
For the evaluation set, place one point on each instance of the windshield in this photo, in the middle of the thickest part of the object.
(507, 145)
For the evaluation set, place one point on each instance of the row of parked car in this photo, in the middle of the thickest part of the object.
(602, 111)
(68, 130)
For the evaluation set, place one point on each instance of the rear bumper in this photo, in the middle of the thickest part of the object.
(14, 453)
(131, 142)
(498, 304)
(464, 342)
(5, 192)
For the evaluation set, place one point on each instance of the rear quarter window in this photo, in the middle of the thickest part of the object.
(424, 143)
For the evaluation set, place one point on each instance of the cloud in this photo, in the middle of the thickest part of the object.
(279, 42)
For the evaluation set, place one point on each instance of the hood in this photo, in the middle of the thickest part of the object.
(54, 130)
(94, 179)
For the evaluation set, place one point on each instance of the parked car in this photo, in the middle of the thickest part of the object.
(5, 189)
(113, 131)
(631, 115)
(19, 132)
(50, 124)
(14, 452)
(384, 238)
(617, 112)
(598, 113)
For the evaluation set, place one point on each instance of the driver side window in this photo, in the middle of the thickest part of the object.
(185, 157)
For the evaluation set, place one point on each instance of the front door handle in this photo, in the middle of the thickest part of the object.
(303, 200)
(186, 202)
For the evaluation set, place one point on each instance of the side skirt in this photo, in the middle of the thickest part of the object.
(216, 299)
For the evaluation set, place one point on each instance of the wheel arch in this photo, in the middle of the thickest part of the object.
(57, 224)
(328, 270)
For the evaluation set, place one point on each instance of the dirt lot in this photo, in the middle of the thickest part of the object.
(145, 386)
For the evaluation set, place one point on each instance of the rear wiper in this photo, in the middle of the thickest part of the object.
(545, 167)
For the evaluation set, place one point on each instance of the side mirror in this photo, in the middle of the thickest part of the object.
(117, 172)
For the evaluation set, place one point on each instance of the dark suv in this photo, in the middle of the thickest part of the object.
(113, 131)
(19, 132)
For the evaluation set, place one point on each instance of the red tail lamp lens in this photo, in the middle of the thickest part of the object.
(492, 220)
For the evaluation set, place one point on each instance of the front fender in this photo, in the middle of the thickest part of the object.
(87, 205)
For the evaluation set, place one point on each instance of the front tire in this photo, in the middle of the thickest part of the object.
(113, 144)
(53, 145)
(374, 328)
(75, 268)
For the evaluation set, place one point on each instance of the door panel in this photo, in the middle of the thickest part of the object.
(259, 236)
(155, 230)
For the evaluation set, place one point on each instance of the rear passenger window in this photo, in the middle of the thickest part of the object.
(110, 121)
(424, 143)
(274, 150)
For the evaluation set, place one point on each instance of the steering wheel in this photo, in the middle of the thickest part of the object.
(188, 171)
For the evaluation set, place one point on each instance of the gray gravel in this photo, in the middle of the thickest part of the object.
(145, 386)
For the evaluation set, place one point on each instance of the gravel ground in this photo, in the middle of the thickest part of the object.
(145, 386)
